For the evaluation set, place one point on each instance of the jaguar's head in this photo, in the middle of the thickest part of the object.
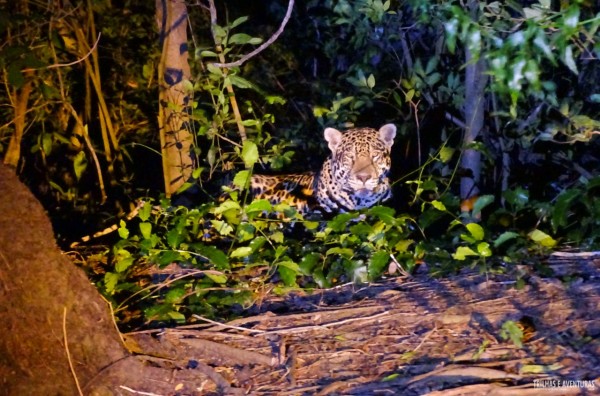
(359, 165)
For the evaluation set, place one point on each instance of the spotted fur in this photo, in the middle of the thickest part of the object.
(354, 176)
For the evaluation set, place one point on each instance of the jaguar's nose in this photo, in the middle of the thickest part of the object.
(363, 176)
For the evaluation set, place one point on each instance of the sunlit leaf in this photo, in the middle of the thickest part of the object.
(260, 205)
(483, 248)
(80, 163)
(438, 205)
(242, 179)
(122, 230)
(249, 153)
(111, 280)
(462, 252)
(146, 230)
(124, 263)
(476, 231)
(511, 331)
(543, 239)
(242, 251)
(218, 278)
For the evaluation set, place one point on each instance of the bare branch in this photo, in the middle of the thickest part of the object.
(54, 66)
(262, 46)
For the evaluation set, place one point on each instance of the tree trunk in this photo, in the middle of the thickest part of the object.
(57, 334)
(49, 310)
(475, 83)
(174, 103)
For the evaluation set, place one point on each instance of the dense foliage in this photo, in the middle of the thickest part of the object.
(88, 142)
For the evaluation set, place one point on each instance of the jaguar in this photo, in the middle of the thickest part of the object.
(354, 176)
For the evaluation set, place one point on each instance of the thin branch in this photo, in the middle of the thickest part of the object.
(64, 325)
(90, 146)
(226, 325)
(56, 65)
(263, 45)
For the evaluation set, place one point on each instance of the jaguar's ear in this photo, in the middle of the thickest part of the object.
(333, 137)
(387, 133)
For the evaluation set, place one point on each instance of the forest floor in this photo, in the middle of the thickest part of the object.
(406, 336)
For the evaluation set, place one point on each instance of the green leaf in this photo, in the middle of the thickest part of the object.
(222, 227)
(563, 203)
(111, 280)
(242, 38)
(245, 232)
(344, 252)
(250, 122)
(288, 271)
(243, 251)
(259, 206)
(510, 330)
(371, 81)
(543, 239)
(384, 214)
(241, 82)
(79, 164)
(483, 248)
(174, 237)
(238, 22)
(146, 230)
(217, 257)
(277, 237)
(518, 198)
(145, 211)
(212, 69)
(378, 263)
(340, 221)
(249, 153)
(205, 54)
(124, 263)
(167, 257)
(568, 59)
(505, 236)
(308, 262)
(403, 245)
(175, 296)
(438, 205)
(47, 143)
(15, 77)
(123, 231)
(218, 278)
(257, 243)
(481, 203)
(446, 154)
(242, 179)
(476, 231)
(177, 316)
(462, 252)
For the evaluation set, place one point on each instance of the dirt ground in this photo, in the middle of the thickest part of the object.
(403, 336)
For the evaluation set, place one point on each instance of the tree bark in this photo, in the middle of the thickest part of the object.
(20, 99)
(50, 312)
(174, 102)
(475, 83)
